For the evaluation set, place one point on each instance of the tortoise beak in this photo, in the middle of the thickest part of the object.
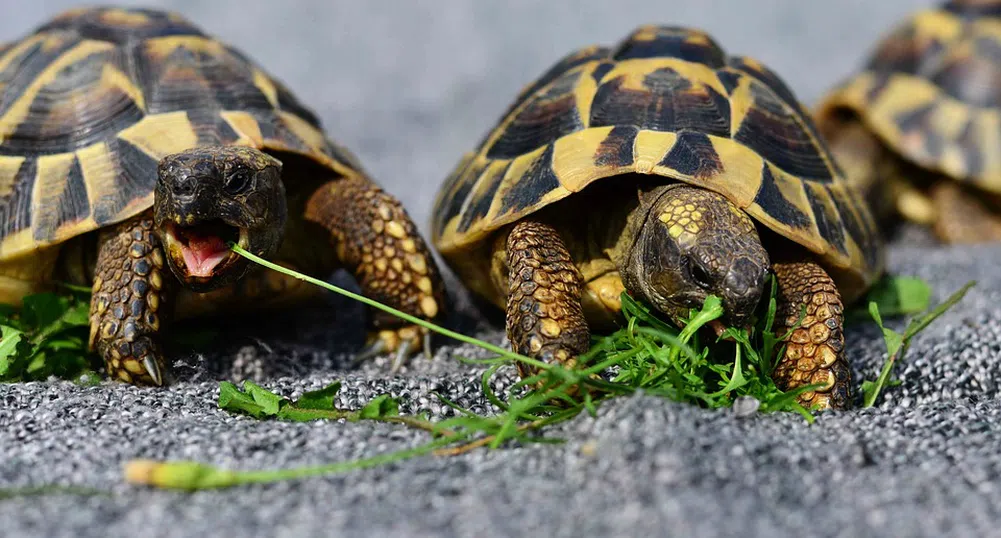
(199, 253)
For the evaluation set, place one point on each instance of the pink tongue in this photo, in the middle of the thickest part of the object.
(203, 253)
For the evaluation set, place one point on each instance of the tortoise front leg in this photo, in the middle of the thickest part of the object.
(814, 352)
(962, 218)
(129, 299)
(378, 243)
(544, 315)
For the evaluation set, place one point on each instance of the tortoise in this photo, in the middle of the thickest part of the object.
(714, 177)
(130, 140)
(919, 123)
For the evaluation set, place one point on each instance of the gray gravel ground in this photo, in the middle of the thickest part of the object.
(409, 86)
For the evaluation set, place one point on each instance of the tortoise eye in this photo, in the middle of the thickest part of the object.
(237, 182)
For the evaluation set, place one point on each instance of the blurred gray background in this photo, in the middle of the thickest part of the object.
(409, 86)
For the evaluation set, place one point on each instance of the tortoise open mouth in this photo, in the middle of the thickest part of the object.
(203, 249)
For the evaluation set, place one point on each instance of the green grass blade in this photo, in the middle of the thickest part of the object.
(375, 304)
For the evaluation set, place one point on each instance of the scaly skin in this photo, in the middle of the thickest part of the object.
(815, 350)
(544, 316)
(962, 218)
(379, 244)
(131, 300)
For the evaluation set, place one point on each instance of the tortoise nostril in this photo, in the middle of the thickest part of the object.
(184, 187)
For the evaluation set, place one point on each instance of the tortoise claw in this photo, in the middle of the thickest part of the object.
(401, 342)
(401, 356)
(153, 370)
(374, 349)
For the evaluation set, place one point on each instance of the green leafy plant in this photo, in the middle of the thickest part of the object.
(47, 336)
(897, 343)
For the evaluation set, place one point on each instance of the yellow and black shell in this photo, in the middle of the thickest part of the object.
(665, 101)
(94, 98)
(931, 92)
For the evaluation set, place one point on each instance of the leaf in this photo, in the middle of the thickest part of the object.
(65, 364)
(868, 387)
(380, 407)
(232, 399)
(78, 315)
(712, 309)
(891, 338)
(270, 402)
(9, 340)
(901, 295)
(737, 378)
(42, 309)
(320, 399)
(7, 312)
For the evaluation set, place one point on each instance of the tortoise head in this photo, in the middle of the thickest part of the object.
(689, 243)
(209, 196)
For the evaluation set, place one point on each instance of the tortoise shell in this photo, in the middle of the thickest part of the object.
(931, 91)
(665, 101)
(94, 98)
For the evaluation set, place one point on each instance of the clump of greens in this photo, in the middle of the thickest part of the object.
(46, 337)
(676, 364)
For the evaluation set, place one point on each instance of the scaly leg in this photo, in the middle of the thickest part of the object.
(544, 315)
(961, 217)
(378, 243)
(815, 351)
(129, 298)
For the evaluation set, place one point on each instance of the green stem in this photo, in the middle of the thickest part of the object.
(714, 311)
(884, 376)
(190, 476)
(374, 304)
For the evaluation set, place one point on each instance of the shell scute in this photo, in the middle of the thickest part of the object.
(778, 133)
(665, 102)
(94, 98)
(931, 91)
(660, 100)
(671, 42)
(541, 119)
